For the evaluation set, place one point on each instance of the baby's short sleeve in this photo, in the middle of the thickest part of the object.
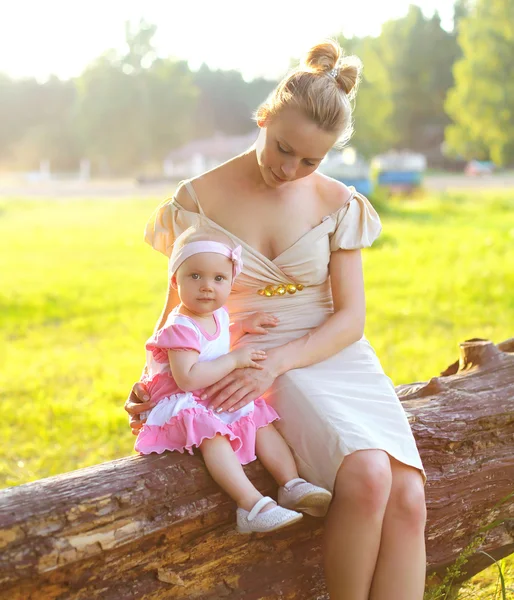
(357, 225)
(173, 337)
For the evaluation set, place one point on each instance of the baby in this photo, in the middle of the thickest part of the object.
(190, 353)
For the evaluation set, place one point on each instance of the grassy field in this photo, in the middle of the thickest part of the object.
(81, 292)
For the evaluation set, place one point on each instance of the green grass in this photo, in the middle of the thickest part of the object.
(81, 292)
(438, 275)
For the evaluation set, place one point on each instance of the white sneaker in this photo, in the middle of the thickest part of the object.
(298, 494)
(271, 520)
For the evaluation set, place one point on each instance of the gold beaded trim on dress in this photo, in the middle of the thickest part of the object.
(281, 290)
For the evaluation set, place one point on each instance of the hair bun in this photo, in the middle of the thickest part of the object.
(327, 57)
(348, 73)
(323, 57)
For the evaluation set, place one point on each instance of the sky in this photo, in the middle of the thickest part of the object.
(39, 38)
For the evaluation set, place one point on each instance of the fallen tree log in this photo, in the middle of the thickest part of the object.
(158, 527)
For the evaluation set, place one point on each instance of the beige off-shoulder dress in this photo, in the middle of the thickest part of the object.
(335, 407)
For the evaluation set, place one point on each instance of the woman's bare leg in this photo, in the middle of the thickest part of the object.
(353, 526)
(401, 567)
(226, 470)
(275, 455)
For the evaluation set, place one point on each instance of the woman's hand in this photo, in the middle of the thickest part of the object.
(240, 387)
(258, 321)
(137, 402)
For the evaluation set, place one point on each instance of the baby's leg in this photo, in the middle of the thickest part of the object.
(275, 455)
(227, 472)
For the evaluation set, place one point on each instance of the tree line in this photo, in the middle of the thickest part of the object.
(424, 88)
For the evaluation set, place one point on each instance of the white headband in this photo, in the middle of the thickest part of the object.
(176, 259)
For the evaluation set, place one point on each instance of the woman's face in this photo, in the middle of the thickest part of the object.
(290, 147)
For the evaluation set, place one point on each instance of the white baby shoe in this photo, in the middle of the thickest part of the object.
(298, 494)
(271, 520)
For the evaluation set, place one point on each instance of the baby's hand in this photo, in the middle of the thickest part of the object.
(246, 357)
(256, 322)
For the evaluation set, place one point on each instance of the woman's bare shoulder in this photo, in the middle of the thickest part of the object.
(332, 193)
(207, 187)
(200, 184)
(212, 178)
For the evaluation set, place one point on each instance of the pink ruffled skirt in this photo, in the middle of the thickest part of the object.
(182, 421)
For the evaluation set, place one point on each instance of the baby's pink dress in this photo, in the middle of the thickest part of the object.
(180, 420)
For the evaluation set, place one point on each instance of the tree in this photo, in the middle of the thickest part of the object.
(172, 101)
(133, 108)
(36, 123)
(226, 101)
(481, 103)
(461, 9)
(140, 52)
(373, 128)
(418, 55)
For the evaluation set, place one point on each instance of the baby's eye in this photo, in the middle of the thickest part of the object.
(309, 163)
(195, 276)
(219, 278)
(283, 149)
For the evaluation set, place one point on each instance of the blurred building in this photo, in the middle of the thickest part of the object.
(201, 155)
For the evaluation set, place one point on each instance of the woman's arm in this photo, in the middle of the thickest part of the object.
(341, 329)
(172, 300)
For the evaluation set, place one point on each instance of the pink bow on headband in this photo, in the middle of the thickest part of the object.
(237, 259)
(176, 259)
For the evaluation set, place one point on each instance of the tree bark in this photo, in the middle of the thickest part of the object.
(158, 527)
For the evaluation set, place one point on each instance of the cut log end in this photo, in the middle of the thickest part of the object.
(476, 354)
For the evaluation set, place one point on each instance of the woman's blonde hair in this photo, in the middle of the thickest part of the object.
(322, 87)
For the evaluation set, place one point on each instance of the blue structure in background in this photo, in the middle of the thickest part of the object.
(410, 178)
(399, 170)
(364, 186)
(346, 166)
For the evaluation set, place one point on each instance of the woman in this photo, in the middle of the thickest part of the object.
(301, 234)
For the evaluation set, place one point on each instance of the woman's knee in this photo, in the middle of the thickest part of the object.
(407, 500)
(364, 479)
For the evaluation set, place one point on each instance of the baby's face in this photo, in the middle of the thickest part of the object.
(204, 282)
